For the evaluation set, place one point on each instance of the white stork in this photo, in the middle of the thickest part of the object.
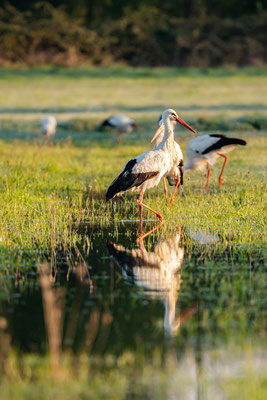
(49, 125)
(175, 175)
(204, 150)
(146, 170)
(158, 273)
(121, 123)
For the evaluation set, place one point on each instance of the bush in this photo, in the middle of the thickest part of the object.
(47, 35)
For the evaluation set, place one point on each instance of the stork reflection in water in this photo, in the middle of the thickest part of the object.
(158, 273)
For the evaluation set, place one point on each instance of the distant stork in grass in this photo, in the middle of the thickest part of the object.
(49, 126)
(204, 150)
(121, 123)
(146, 170)
(175, 174)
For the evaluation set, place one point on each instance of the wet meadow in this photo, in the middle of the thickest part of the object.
(86, 312)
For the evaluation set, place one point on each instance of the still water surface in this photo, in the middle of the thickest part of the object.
(182, 295)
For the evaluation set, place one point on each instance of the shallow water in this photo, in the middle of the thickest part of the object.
(180, 294)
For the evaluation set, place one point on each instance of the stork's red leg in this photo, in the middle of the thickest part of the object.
(208, 174)
(165, 189)
(140, 203)
(140, 197)
(225, 161)
(175, 189)
(141, 237)
(118, 139)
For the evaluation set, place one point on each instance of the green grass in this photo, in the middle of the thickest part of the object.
(47, 192)
(94, 92)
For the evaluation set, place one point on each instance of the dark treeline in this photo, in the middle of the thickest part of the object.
(91, 12)
(101, 32)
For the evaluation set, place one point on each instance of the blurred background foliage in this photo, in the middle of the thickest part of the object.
(171, 33)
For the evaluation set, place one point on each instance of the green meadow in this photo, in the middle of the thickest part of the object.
(51, 195)
(47, 191)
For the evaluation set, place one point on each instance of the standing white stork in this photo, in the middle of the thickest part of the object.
(158, 273)
(146, 170)
(204, 150)
(175, 175)
(121, 123)
(49, 125)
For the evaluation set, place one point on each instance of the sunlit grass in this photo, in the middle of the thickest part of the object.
(131, 89)
(46, 192)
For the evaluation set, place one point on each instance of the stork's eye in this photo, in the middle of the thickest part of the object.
(173, 115)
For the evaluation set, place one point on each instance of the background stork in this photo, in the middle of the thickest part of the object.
(49, 126)
(204, 150)
(121, 123)
(146, 170)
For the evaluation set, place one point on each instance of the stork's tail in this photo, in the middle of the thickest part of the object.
(120, 184)
(237, 141)
(111, 192)
(105, 123)
(223, 141)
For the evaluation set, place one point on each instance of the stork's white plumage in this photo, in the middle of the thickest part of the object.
(204, 150)
(158, 273)
(175, 174)
(121, 123)
(145, 171)
(49, 126)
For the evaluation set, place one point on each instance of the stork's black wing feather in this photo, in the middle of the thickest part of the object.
(222, 142)
(127, 180)
(107, 123)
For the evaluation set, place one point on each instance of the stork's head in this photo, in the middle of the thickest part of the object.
(171, 116)
(133, 125)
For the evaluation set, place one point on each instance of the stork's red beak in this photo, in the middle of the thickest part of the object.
(158, 131)
(178, 119)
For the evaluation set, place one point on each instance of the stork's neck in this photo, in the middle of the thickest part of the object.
(168, 137)
(171, 324)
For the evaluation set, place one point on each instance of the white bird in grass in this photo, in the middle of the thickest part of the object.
(159, 274)
(146, 170)
(121, 123)
(204, 150)
(49, 126)
(175, 175)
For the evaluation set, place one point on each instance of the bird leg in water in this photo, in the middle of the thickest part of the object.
(140, 197)
(165, 189)
(175, 189)
(141, 205)
(225, 161)
(208, 174)
(141, 237)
